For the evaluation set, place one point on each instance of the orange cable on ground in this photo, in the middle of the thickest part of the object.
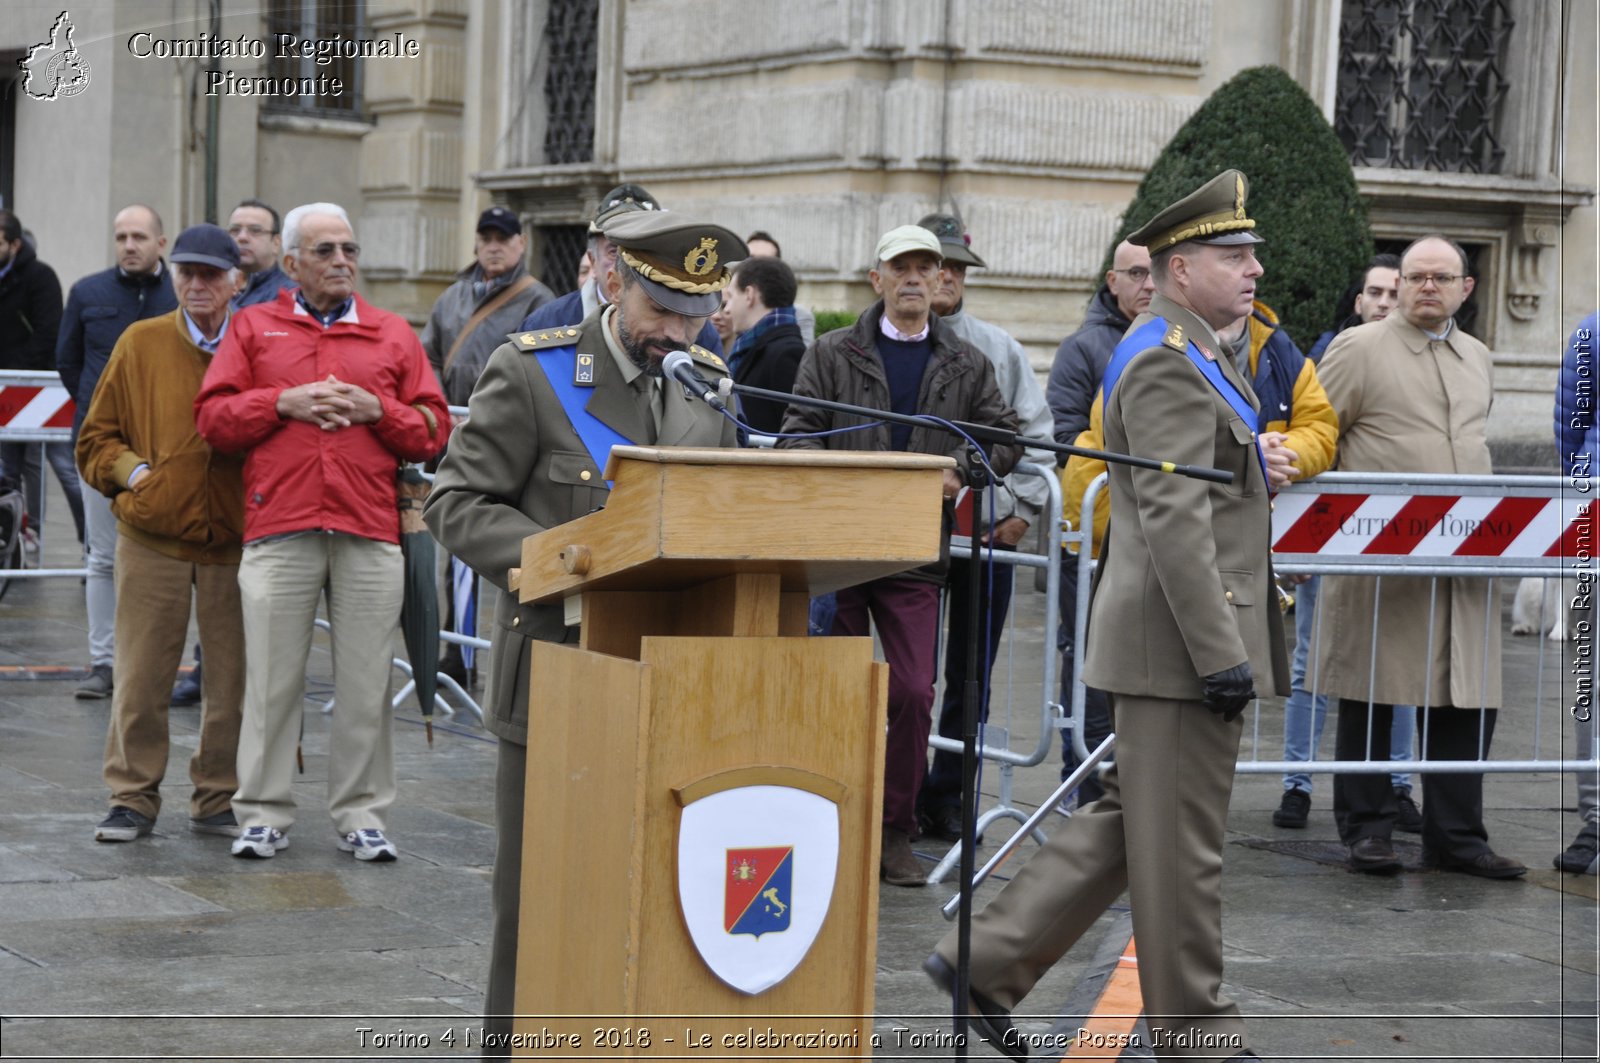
(1109, 1027)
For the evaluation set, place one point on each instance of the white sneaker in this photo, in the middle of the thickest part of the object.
(261, 843)
(369, 844)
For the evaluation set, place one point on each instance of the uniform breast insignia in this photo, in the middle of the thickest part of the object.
(1203, 349)
(1174, 338)
(547, 338)
(583, 371)
(700, 354)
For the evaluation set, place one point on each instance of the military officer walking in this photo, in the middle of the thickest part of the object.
(530, 456)
(1183, 628)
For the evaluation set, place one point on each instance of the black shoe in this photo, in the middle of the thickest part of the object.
(1485, 865)
(1374, 856)
(943, 823)
(186, 691)
(451, 664)
(992, 1022)
(123, 825)
(97, 685)
(1293, 810)
(1582, 857)
(1409, 819)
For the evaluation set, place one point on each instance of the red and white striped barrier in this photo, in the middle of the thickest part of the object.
(34, 407)
(1508, 527)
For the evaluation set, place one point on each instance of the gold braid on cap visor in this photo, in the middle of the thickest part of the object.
(1221, 222)
(661, 276)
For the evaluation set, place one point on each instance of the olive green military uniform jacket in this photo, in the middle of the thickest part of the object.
(1186, 590)
(516, 467)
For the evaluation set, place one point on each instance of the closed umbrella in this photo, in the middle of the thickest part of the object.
(419, 616)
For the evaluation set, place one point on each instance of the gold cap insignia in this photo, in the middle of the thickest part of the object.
(1238, 197)
(703, 259)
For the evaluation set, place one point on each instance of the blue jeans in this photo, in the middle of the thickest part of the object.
(1305, 713)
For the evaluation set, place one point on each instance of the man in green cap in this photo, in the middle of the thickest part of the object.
(573, 307)
(1183, 626)
(531, 455)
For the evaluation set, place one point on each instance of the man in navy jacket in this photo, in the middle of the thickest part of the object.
(99, 308)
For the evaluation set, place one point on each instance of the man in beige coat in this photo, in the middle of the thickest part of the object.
(1183, 627)
(1413, 392)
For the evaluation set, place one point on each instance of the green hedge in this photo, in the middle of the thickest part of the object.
(1303, 193)
(828, 320)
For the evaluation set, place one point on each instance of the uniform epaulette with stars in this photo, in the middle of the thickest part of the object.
(705, 357)
(1174, 338)
(541, 339)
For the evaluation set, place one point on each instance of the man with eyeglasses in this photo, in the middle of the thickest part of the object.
(327, 395)
(574, 307)
(1412, 392)
(254, 227)
(1074, 378)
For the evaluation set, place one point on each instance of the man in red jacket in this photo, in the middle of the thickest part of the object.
(327, 395)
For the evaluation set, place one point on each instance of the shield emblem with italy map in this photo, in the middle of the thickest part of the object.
(756, 869)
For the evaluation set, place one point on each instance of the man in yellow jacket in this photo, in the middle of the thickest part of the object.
(1299, 429)
(180, 514)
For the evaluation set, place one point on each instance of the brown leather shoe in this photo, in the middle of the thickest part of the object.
(898, 865)
(1374, 856)
(1484, 865)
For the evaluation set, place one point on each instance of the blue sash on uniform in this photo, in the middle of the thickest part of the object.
(1153, 334)
(559, 365)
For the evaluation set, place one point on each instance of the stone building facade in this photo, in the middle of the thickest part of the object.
(830, 121)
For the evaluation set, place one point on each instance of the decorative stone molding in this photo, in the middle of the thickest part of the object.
(1164, 32)
(781, 29)
(1537, 233)
(832, 237)
(412, 245)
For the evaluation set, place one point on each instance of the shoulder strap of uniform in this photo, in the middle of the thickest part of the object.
(543, 339)
(707, 358)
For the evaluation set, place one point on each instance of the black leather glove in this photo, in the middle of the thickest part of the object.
(1227, 693)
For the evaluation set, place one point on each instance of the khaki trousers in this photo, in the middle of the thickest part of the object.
(152, 624)
(279, 584)
(1158, 832)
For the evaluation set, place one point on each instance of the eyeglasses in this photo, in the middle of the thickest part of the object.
(325, 251)
(253, 230)
(1443, 280)
(1137, 273)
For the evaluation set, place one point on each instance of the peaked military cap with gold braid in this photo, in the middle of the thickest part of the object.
(682, 263)
(1212, 214)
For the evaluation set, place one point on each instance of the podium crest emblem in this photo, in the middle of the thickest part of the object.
(756, 871)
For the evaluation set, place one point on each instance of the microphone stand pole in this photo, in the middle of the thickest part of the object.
(971, 692)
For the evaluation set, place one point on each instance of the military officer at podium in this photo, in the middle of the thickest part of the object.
(531, 455)
(1184, 628)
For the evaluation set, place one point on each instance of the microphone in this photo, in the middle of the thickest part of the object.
(680, 367)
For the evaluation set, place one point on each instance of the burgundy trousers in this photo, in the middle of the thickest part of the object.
(906, 612)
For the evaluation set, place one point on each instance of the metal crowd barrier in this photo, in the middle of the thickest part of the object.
(35, 408)
(994, 740)
(1519, 512)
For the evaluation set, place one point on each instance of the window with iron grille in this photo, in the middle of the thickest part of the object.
(1422, 83)
(309, 21)
(561, 249)
(571, 34)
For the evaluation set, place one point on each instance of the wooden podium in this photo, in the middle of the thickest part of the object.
(694, 676)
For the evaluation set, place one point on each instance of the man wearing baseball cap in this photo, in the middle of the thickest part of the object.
(574, 307)
(180, 514)
(532, 455)
(487, 301)
(900, 357)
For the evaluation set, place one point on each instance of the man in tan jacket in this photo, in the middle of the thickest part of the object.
(180, 512)
(1412, 392)
(1184, 628)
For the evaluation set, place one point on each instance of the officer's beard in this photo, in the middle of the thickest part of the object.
(638, 348)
